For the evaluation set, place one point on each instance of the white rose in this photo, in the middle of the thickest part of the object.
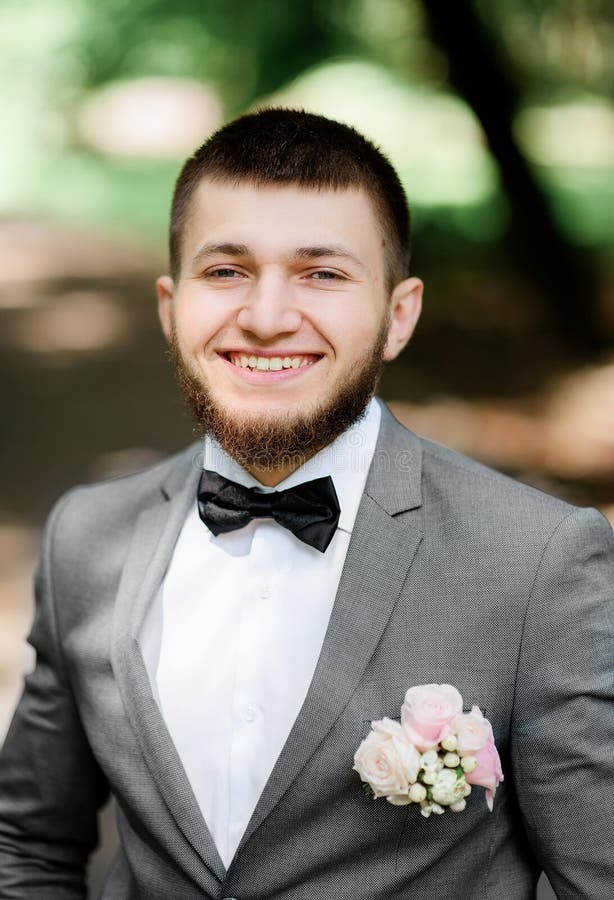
(448, 788)
(387, 761)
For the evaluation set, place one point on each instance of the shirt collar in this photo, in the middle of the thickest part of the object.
(346, 460)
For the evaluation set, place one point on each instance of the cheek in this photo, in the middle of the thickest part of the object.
(198, 319)
(349, 329)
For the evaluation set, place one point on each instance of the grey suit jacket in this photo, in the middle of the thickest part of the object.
(454, 574)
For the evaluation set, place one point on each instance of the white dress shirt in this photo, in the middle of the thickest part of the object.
(233, 638)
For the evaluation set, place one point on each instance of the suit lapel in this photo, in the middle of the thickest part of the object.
(380, 554)
(154, 538)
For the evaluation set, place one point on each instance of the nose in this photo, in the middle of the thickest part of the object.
(270, 309)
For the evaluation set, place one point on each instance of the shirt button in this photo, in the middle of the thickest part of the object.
(250, 714)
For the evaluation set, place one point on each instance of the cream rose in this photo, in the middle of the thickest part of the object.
(471, 730)
(387, 761)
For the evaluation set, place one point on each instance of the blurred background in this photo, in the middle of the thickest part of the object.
(500, 120)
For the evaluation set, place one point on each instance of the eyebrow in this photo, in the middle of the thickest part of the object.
(334, 250)
(307, 253)
(223, 249)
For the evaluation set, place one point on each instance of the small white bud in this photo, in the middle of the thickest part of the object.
(429, 759)
(469, 763)
(430, 776)
(417, 792)
(458, 806)
(451, 760)
(450, 742)
(436, 808)
(467, 790)
(426, 809)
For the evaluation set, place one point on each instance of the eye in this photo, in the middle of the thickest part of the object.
(325, 275)
(223, 273)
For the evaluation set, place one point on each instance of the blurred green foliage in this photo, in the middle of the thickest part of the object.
(55, 54)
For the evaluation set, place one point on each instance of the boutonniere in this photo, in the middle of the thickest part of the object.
(433, 756)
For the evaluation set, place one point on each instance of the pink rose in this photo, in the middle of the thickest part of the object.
(471, 730)
(427, 713)
(387, 761)
(488, 772)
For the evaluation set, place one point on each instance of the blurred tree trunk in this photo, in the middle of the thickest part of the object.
(479, 73)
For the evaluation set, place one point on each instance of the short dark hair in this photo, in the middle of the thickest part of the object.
(290, 146)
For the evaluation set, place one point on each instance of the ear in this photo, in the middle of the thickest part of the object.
(405, 308)
(165, 287)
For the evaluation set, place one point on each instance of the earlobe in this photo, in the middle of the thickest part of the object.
(405, 309)
(165, 288)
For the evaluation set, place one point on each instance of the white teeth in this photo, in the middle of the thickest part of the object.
(272, 363)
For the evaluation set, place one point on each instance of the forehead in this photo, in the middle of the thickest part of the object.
(273, 217)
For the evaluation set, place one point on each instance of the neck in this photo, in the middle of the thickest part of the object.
(274, 476)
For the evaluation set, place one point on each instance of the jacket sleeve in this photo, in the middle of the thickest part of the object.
(50, 783)
(562, 749)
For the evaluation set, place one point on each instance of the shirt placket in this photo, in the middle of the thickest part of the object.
(248, 747)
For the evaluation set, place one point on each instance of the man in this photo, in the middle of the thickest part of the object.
(213, 652)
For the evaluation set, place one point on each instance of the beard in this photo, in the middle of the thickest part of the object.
(267, 441)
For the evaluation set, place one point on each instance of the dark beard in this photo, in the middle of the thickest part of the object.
(287, 441)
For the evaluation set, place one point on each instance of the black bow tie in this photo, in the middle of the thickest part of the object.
(310, 510)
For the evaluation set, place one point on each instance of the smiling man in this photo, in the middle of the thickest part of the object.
(289, 292)
(280, 321)
(216, 634)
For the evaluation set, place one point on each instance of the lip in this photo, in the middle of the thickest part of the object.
(254, 376)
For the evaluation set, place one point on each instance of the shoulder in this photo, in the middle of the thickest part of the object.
(115, 503)
(456, 488)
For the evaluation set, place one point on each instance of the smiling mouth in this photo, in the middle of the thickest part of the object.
(270, 363)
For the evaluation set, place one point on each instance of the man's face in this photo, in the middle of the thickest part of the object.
(280, 318)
